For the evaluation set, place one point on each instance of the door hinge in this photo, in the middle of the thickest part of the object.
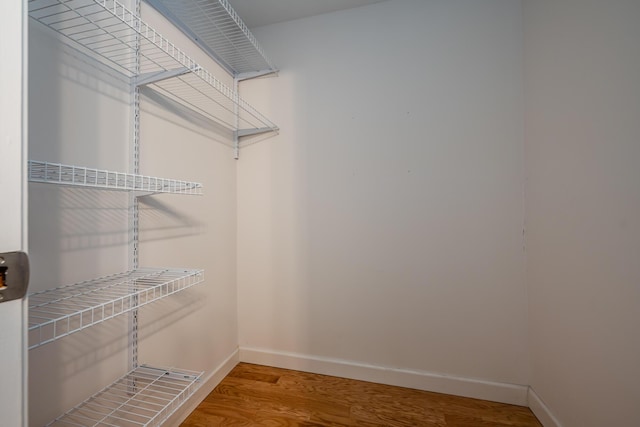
(14, 275)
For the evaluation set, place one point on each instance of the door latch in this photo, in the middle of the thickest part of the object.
(14, 275)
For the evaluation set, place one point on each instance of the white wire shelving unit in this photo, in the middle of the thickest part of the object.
(59, 312)
(116, 37)
(219, 31)
(56, 173)
(146, 397)
(108, 29)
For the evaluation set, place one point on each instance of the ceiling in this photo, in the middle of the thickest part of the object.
(256, 13)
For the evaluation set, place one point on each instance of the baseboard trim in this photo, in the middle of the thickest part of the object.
(541, 410)
(488, 390)
(208, 384)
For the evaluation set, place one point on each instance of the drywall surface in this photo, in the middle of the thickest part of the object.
(80, 114)
(383, 225)
(583, 208)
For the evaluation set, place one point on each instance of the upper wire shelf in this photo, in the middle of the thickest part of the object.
(59, 312)
(146, 396)
(219, 31)
(56, 173)
(130, 46)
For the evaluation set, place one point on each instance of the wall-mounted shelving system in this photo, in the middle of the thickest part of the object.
(218, 30)
(80, 176)
(118, 38)
(124, 42)
(61, 311)
(143, 397)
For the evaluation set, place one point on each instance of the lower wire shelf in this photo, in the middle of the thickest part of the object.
(80, 176)
(62, 311)
(146, 397)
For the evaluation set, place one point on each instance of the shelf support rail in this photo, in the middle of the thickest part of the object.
(236, 115)
(133, 200)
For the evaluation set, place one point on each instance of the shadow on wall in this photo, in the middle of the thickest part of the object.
(157, 317)
(91, 219)
(175, 113)
(161, 221)
(248, 141)
(76, 359)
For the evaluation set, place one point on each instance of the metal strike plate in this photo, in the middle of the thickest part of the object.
(14, 275)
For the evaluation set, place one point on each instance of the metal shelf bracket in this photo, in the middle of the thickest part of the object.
(150, 78)
(248, 132)
(254, 74)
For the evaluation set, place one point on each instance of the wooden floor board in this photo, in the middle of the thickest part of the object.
(254, 395)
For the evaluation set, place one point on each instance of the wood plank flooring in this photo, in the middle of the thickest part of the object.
(253, 395)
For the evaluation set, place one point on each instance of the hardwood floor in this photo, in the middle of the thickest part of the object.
(253, 395)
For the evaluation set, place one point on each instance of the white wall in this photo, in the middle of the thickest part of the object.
(80, 114)
(383, 226)
(583, 208)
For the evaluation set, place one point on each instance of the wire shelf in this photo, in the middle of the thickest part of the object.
(56, 173)
(59, 312)
(146, 396)
(108, 29)
(218, 29)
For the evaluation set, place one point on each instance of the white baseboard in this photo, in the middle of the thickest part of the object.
(208, 384)
(541, 411)
(488, 390)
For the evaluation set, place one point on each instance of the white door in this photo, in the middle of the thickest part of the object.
(13, 196)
